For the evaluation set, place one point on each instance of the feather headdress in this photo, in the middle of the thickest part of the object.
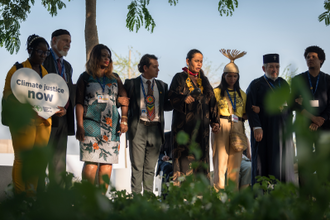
(232, 55)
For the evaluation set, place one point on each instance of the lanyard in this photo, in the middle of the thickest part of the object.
(310, 83)
(152, 87)
(62, 65)
(272, 85)
(101, 84)
(40, 71)
(233, 104)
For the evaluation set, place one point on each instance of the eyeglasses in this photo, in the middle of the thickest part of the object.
(40, 52)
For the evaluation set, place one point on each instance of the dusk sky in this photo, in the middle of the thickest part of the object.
(258, 27)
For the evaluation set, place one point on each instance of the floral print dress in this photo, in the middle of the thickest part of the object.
(101, 119)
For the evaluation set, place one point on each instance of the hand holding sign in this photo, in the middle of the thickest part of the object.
(44, 94)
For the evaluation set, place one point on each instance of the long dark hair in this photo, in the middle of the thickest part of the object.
(224, 85)
(92, 65)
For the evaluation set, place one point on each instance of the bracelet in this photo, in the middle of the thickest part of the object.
(123, 123)
(124, 117)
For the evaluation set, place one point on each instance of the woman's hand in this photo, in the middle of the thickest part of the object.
(123, 127)
(124, 101)
(215, 127)
(248, 154)
(313, 127)
(189, 99)
(80, 134)
(61, 112)
(256, 109)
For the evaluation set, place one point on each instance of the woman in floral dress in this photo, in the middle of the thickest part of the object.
(99, 125)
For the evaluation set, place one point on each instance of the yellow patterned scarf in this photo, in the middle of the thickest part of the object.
(190, 85)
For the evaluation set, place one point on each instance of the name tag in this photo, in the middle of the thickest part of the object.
(234, 118)
(314, 103)
(144, 112)
(102, 99)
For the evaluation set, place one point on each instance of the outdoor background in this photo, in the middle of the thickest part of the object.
(258, 27)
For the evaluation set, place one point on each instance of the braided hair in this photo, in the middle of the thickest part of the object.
(33, 40)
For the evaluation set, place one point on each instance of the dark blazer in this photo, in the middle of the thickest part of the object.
(49, 65)
(132, 87)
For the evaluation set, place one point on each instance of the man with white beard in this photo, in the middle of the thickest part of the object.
(61, 126)
(271, 144)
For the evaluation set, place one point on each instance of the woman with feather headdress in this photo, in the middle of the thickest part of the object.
(231, 102)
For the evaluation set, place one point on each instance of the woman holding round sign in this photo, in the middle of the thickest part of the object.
(99, 125)
(195, 110)
(231, 102)
(27, 129)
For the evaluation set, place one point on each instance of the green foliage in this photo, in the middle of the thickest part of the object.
(182, 138)
(276, 99)
(53, 5)
(12, 13)
(325, 15)
(194, 199)
(227, 7)
(173, 2)
(139, 14)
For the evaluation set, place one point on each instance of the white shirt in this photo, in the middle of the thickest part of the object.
(143, 113)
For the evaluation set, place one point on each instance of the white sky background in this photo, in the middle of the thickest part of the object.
(258, 27)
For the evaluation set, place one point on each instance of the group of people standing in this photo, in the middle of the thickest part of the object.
(197, 108)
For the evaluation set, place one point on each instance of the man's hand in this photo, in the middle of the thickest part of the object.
(165, 158)
(318, 120)
(61, 112)
(189, 99)
(256, 109)
(258, 133)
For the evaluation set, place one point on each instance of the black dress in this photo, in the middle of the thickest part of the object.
(186, 117)
(274, 154)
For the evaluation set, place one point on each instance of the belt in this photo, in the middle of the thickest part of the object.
(149, 123)
(229, 118)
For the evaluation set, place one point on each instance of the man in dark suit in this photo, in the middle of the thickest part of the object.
(148, 101)
(61, 126)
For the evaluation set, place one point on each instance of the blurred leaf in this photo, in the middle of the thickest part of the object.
(275, 100)
(182, 138)
(106, 179)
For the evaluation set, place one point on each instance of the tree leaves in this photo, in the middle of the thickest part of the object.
(53, 5)
(325, 15)
(227, 7)
(12, 13)
(138, 14)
